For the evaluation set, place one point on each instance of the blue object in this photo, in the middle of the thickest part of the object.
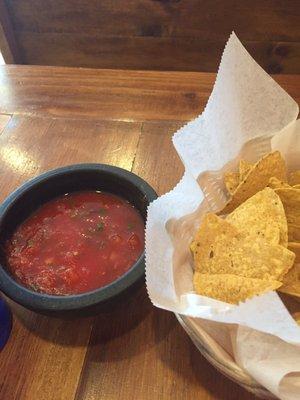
(5, 323)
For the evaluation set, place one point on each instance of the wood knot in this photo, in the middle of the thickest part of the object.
(274, 68)
(154, 30)
(281, 50)
(190, 95)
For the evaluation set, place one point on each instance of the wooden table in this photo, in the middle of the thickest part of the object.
(56, 116)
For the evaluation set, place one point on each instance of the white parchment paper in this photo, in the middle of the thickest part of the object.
(247, 115)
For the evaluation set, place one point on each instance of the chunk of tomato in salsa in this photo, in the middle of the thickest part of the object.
(76, 243)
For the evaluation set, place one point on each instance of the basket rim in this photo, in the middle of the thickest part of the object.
(230, 369)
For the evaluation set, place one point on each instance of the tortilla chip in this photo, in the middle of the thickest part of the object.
(231, 181)
(262, 216)
(294, 178)
(231, 288)
(290, 198)
(275, 183)
(219, 248)
(271, 165)
(295, 248)
(291, 281)
(244, 168)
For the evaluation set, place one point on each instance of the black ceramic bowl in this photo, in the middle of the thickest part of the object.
(26, 199)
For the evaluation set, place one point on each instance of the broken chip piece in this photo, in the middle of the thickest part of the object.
(271, 165)
(231, 181)
(294, 178)
(244, 168)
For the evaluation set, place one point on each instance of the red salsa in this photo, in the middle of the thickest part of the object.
(76, 243)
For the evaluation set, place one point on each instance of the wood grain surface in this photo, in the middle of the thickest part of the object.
(154, 34)
(272, 20)
(8, 45)
(164, 53)
(111, 94)
(135, 351)
(51, 351)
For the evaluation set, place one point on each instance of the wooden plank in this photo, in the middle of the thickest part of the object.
(156, 148)
(164, 35)
(95, 51)
(111, 94)
(150, 53)
(139, 351)
(23, 144)
(8, 45)
(268, 20)
(122, 95)
(44, 356)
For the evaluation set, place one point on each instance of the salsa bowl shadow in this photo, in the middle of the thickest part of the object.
(20, 204)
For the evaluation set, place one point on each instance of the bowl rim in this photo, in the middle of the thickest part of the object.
(46, 302)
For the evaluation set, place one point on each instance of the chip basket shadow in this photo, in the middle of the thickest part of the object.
(230, 369)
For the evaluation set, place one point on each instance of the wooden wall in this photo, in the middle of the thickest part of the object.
(154, 34)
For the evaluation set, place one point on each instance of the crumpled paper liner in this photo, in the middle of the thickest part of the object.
(247, 115)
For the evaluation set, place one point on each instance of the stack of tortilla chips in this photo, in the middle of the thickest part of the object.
(253, 245)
